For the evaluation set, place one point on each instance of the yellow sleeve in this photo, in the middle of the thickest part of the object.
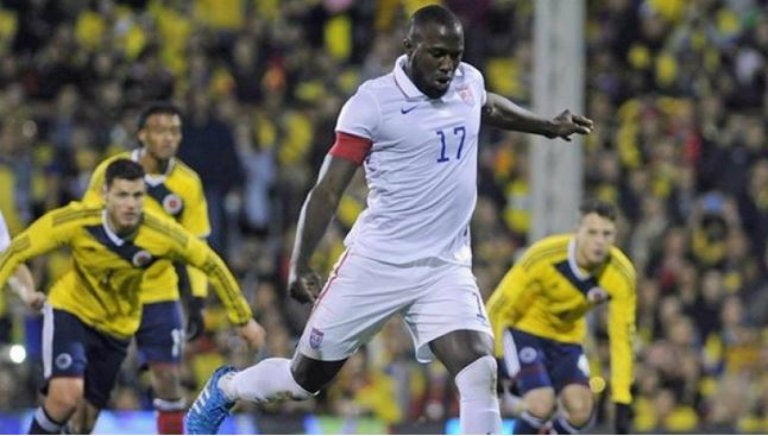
(195, 219)
(197, 282)
(200, 255)
(621, 330)
(508, 303)
(40, 237)
(93, 195)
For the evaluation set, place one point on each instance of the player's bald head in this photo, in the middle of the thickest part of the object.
(433, 15)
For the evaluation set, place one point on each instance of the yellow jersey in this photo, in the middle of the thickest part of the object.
(102, 288)
(546, 294)
(178, 194)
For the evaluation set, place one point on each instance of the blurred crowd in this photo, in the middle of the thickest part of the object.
(678, 91)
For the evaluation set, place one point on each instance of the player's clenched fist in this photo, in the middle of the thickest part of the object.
(303, 284)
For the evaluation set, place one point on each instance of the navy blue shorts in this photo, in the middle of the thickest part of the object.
(535, 362)
(73, 349)
(160, 338)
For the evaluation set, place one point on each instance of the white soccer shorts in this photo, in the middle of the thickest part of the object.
(433, 296)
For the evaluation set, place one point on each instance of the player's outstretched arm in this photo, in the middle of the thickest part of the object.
(316, 214)
(502, 113)
(23, 285)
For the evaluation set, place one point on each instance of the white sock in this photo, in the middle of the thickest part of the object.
(267, 381)
(479, 405)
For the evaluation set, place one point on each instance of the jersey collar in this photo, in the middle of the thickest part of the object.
(572, 261)
(110, 234)
(153, 179)
(410, 90)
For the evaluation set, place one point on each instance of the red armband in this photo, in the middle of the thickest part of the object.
(351, 147)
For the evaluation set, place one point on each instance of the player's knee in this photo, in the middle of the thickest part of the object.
(478, 379)
(64, 394)
(540, 402)
(579, 404)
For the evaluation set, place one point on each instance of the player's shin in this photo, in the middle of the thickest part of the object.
(170, 415)
(479, 405)
(269, 380)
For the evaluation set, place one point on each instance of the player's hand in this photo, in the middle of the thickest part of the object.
(195, 321)
(622, 418)
(253, 333)
(35, 300)
(303, 284)
(567, 124)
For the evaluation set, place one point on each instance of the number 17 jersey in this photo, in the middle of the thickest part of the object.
(421, 170)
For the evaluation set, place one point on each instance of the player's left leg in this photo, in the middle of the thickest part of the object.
(449, 320)
(467, 354)
(578, 402)
(570, 376)
(160, 342)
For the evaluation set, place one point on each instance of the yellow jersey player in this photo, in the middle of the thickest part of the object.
(538, 316)
(174, 190)
(95, 308)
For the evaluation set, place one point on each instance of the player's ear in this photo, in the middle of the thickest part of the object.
(408, 44)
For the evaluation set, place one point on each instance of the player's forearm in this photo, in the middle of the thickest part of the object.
(21, 282)
(504, 114)
(316, 215)
(226, 287)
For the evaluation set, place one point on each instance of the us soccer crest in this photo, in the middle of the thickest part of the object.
(172, 204)
(315, 338)
(465, 92)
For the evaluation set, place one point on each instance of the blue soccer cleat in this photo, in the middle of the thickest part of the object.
(210, 408)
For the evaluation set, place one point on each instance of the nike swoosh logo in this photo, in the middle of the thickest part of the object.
(406, 110)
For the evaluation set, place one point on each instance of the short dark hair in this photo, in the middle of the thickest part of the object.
(434, 14)
(157, 107)
(602, 208)
(123, 169)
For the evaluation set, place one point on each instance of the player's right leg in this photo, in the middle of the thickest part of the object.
(525, 360)
(62, 397)
(64, 362)
(570, 378)
(351, 309)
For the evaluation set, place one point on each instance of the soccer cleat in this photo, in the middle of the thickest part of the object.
(210, 408)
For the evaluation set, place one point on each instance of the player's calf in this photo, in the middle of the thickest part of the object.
(479, 404)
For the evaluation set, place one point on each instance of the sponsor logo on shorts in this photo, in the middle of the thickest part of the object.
(527, 354)
(63, 361)
(315, 338)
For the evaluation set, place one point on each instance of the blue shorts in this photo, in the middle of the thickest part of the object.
(535, 362)
(160, 338)
(73, 349)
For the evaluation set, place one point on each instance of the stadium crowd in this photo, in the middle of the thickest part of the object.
(678, 91)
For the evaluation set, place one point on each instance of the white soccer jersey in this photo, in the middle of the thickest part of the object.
(422, 167)
(5, 237)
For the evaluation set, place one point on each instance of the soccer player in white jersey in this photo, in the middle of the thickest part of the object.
(415, 130)
(21, 282)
